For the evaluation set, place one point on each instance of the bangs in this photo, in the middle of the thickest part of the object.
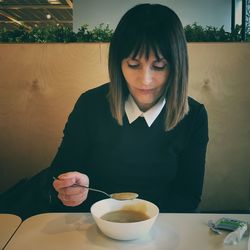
(139, 42)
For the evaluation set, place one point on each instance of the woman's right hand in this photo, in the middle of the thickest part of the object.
(71, 196)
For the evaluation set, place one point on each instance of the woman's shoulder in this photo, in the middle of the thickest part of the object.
(95, 94)
(92, 98)
(101, 90)
(196, 109)
(195, 105)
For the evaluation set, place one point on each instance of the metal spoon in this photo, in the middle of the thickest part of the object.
(116, 196)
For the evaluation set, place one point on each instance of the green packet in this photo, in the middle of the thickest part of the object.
(229, 224)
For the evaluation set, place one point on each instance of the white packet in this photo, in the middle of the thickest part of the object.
(234, 237)
(248, 243)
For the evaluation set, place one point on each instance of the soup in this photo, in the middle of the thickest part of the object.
(124, 196)
(125, 216)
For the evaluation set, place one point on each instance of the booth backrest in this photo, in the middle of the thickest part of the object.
(39, 84)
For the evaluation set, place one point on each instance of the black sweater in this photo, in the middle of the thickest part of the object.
(166, 168)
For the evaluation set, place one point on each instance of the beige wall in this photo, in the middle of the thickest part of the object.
(39, 84)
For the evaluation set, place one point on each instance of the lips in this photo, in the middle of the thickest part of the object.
(145, 91)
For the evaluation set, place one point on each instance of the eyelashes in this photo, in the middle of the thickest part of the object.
(133, 66)
(160, 64)
(154, 67)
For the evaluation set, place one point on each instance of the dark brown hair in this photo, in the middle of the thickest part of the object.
(143, 28)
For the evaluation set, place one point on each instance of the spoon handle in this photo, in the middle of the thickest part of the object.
(92, 189)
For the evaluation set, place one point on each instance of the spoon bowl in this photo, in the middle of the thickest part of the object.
(124, 196)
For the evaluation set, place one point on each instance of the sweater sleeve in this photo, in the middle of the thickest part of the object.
(187, 187)
(72, 150)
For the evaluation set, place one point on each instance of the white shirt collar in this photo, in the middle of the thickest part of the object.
(133, 112)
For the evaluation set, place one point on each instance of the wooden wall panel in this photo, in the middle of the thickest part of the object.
(219, 78)
(39, 84)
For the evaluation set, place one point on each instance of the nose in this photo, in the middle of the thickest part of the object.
(147, 76)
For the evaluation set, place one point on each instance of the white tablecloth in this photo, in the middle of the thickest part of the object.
(78, 232)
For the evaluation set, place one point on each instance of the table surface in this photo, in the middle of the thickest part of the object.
(78, 231)
(8, 224)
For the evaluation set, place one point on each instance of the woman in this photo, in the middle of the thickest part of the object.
(140, 132)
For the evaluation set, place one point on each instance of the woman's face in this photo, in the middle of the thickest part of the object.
(146, 79)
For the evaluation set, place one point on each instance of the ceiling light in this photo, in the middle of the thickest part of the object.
(54, 1)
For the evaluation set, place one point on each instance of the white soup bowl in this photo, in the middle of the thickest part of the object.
(124, 230)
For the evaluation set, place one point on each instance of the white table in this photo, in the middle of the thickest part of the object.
(8, 224)
(78, 231)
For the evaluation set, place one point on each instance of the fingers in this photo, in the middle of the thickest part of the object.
(72, 199)
(68, 194)
(69, 179)
(75, 177)
(60, 183)
(75, 190)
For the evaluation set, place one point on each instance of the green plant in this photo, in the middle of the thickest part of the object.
(52, 34)
(103, 33)
(196, 33)
(83, 34)
(38, 34)
(100, 33)
(235, 35)
(18, 35)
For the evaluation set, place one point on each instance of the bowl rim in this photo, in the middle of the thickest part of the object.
(137, 199)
